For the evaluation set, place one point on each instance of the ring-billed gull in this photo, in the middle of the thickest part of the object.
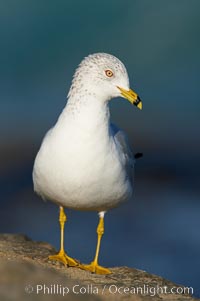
(85, 162)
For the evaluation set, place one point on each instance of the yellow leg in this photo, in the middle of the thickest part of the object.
(62, 256)
(94, 267)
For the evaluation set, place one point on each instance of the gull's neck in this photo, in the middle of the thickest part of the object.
(89, 113)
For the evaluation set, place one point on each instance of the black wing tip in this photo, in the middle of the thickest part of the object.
(138, 155)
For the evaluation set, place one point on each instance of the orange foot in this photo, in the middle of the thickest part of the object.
(95, 268)
(64, 258)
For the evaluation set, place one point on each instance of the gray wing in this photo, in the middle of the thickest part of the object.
(121, 140)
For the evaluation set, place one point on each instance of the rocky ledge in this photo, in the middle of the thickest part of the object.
(27, 274)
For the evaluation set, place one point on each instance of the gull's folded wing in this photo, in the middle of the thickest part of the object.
(121, 140)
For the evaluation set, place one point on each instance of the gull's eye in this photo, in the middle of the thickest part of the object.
(109, 73)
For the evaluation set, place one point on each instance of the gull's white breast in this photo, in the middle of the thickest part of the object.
(80, 166)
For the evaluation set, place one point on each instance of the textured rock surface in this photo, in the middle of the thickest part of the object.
(27, 274)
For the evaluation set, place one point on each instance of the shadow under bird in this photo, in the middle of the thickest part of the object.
(85, 161)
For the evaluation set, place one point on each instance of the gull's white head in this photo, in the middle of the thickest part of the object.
(105, 76)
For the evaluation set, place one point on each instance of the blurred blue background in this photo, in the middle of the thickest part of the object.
(42, 42)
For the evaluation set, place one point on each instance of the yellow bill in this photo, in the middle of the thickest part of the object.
(131, 96)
